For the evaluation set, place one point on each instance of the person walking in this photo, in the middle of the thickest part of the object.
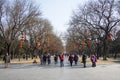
(6, 60)
(71, 59)
(61, 57)
(84, 57)
(44, 59)
(93, 60)
(41, 59)
(76, 59)
(49, 58)
(56, 58)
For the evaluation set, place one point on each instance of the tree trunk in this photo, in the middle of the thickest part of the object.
(19, 57)
(98, 51)
(105, 50)
(8, 48)
(115, 56)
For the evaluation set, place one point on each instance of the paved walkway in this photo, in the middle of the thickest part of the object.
(103, 71)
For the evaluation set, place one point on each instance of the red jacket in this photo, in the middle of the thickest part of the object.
(71, 58)
(61, 56)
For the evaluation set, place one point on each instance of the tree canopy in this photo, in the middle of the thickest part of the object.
(93, 24)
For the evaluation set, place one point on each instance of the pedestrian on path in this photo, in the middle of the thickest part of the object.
(49, 58)
(61, 57)
(71, 59)
(56, 58)
(93, 60)
(41, 59)
(76, 59)
(44, 59)
(84, 57)
(6, 60)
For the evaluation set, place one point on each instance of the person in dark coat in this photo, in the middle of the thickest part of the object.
(71, 59)
(76, 59)
(84, 57)
(44, 59)
(56, 58)
(6, 60)
(49, 59)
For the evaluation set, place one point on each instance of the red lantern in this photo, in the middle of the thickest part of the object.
(40, 43)
(82, 43)
(20, 44)
(46, 46)
(75, 45)
(22, 36)
(109, 37)
(36, 42)
(88, 42)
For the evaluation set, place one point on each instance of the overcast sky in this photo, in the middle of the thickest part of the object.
(59, 12)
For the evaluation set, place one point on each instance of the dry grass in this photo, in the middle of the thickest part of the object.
(22, 61)
(38, 60)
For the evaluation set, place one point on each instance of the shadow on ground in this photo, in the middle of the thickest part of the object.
(51, 66)
(118, 61)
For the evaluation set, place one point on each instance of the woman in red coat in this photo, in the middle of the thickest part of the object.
(71, 59)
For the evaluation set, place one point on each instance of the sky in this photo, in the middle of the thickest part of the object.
(59, 12)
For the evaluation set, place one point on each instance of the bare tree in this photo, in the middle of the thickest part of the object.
(14, 18)
(100, 15)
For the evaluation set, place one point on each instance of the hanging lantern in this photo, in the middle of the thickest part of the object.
(36, 43)
(22, 36)
(74, 45)
(88, 42)
(82, 43)
(41, 43)
(109, 37)
(20, 44)
(86, 33)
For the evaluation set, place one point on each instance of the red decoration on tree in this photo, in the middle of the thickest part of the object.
(109, 37)
(88, 42)
(22, 36)
(20, 44)
(75, 45)
(36, 42)
(82, 43)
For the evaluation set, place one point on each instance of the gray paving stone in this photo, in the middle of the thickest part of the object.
(106, 71)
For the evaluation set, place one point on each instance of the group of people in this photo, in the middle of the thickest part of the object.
(46, 58)
(61, 58)
(93, 59)
(74, 58)
(71, 58)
